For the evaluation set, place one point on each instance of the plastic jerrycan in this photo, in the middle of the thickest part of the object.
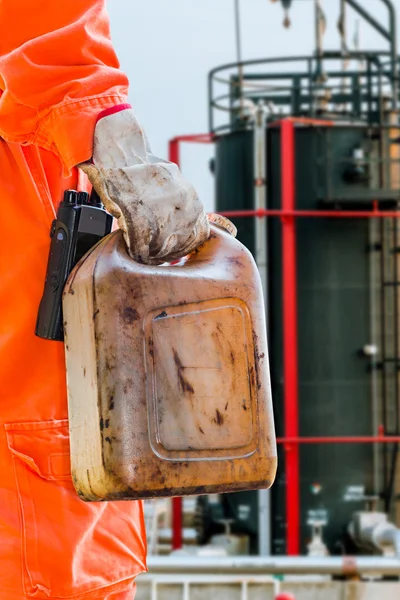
(167, 372)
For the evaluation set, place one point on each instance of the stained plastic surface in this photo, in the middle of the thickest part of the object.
(168, 378)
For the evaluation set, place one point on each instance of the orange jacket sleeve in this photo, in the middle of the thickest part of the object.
(58, 70)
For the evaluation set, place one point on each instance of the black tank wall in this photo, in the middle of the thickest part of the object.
(333, 321)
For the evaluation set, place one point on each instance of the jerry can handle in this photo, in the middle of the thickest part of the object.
(220, 222)
(223, 223)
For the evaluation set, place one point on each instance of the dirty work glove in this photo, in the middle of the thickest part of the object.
(159, 212)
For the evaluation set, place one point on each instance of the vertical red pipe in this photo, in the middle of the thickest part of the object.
(176, 502)
(290, 359)
(174, 155)
(176, 523)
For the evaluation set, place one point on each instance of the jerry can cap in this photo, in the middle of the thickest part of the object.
(222, 222)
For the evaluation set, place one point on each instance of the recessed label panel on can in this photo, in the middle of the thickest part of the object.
(199, 383)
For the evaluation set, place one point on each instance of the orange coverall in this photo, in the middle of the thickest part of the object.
(58, 70)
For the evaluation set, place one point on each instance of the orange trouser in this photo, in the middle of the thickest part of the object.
(52, 545)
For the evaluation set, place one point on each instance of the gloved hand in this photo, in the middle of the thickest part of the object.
(159, 212)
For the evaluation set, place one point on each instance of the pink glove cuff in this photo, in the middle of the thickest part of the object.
(112, 109)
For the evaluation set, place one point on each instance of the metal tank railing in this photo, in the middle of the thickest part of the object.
(296, 92)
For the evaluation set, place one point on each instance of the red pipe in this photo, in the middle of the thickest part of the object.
(303, 121)
(199, 138)
(288, 214)
(176, 523)
(343, 439)
(174, 156)
(340, 214)
(290, 364)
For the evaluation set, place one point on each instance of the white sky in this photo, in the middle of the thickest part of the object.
(167, 48)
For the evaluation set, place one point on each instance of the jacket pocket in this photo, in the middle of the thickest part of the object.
(70, 548)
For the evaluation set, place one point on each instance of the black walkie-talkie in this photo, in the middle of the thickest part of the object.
(81, 222)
